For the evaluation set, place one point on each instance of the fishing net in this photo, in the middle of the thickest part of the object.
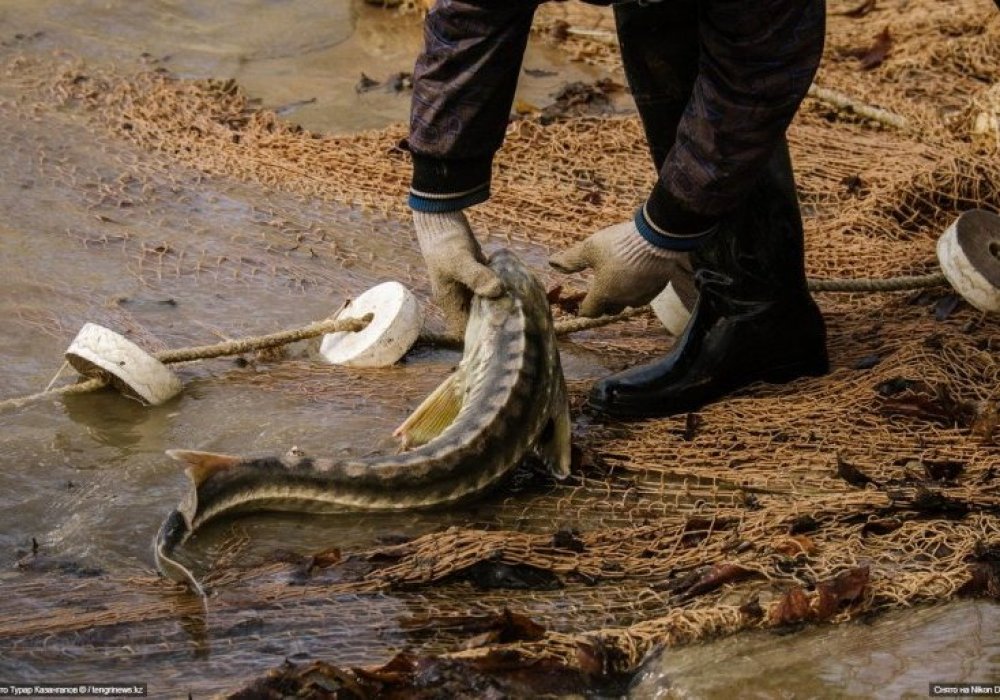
(874, 487)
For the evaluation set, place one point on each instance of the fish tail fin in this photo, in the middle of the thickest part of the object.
(180, 523)
(201, 465)
(173, 531)
(555, 446)
(434, 414)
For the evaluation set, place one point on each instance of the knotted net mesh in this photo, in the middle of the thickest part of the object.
(874, 487)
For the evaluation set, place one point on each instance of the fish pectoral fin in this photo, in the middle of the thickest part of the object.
(201, 465)
(435, 414)
(555, 447)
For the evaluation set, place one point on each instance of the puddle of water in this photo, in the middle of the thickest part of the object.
(898, 656)
(301, 57)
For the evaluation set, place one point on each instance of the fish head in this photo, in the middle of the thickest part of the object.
(517, 279)
(173, 531)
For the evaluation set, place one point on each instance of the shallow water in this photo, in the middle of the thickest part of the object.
(91, 231)
(898, 656)
(187, 261)
(88, 233)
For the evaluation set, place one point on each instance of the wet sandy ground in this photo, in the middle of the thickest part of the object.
(93, 231)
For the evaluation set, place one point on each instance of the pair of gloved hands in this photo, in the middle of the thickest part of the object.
(627, 270)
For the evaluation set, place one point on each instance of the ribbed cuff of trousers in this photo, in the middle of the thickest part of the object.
(666, 223)
(449, 185)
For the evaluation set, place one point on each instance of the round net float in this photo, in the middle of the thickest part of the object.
(97, 351)
(969, 255)
(396, 323)
(669, 308)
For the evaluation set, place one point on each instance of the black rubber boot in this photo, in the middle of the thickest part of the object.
(754, 319)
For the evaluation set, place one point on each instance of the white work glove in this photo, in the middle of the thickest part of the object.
(455, 264)
(628, 270)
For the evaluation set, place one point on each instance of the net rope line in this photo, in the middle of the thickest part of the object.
(563, 327)
(204, 352)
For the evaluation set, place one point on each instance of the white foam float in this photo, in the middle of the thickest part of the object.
(968, 252)
(100, 352)
(969, 255)
(670, 310)
(394, 328)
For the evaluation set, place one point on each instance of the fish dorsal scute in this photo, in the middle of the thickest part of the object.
(201, 465)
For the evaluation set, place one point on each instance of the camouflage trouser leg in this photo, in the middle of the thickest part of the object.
(660, 52)
(659, 46)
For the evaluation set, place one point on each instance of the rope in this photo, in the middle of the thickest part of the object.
(847, 103)
(889, 284)
(574, 325)
(204, 352)
(562, 328)
(273, 340)
(79, 388)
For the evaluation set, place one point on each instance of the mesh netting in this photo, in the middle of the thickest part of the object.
(746, 514)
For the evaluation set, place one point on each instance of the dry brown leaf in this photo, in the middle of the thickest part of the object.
(589, 659)
(916, 398)
(943, 469)
(503, 627)
(793, 607)
(984, 572)
(861, 10)
(881, 526)
(984, 581)
(710, 578)
(986, 424)
(844, 588)
(751, 609)
(852, 475)
(795, 545)
(875, 55)
(326, 558)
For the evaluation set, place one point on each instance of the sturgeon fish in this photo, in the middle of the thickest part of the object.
(504, 402)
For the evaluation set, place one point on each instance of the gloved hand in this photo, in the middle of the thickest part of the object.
(455, 263)
(628, 270)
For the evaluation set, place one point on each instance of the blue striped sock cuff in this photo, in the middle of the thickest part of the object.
(440, 203)
(664, 239)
